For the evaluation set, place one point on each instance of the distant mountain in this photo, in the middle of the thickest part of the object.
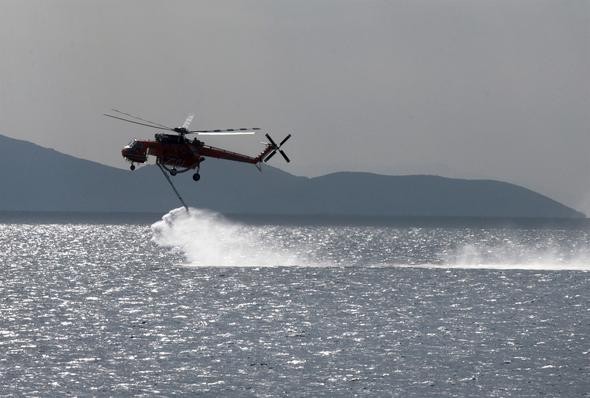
(39, 179)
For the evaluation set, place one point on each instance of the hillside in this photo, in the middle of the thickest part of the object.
(39, 179)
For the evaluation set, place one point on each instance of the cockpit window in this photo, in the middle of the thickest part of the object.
(133, 144)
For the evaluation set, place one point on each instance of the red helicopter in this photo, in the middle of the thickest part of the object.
(176, 153)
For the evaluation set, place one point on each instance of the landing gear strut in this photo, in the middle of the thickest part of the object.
(197, 176)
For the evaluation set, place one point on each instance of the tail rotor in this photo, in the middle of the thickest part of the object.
(277, 148)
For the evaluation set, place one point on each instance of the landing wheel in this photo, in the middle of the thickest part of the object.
(196, 176)
(132, 167)
(173, 172)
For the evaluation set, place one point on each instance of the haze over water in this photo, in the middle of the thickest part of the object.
(199, 304)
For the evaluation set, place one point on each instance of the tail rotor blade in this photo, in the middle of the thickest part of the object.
(274, 144)
(270, 156)
(284, 155)
(285, 140)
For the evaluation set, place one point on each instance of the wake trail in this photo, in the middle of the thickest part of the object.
(519, 257)
(506, 257)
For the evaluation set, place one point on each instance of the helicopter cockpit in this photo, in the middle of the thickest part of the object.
(135, 151)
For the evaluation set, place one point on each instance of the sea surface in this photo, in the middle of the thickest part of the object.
(202, 305)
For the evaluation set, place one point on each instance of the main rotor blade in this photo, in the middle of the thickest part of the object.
(141, 124)
(140, 118)
(243, 129)
(284, 155)
(188, 121)
(228, 133)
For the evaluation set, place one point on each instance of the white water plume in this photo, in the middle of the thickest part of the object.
(207, 238)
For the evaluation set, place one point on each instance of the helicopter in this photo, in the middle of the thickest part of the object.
(176, 153)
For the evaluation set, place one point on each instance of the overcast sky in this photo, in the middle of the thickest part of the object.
(460, 88)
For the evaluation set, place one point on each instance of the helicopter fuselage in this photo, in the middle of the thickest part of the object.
(177, 151)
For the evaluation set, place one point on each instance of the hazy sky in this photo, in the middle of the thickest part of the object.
(460, 88)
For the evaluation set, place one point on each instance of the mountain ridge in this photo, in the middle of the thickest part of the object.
(53, 181)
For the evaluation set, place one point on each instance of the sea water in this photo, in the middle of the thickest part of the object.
(200, 305)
